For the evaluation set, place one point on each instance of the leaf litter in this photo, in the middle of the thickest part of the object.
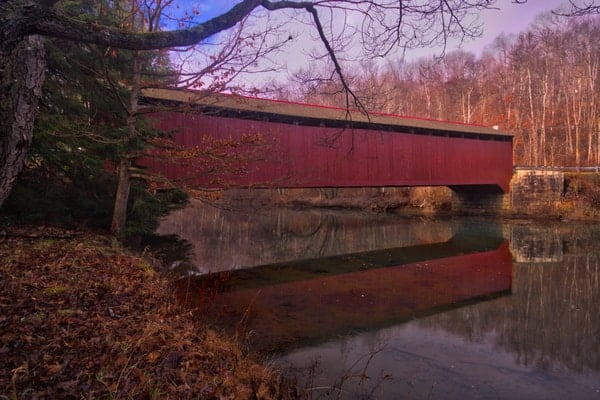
(83, 318)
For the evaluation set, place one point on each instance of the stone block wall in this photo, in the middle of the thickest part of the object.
(536, 189)
(479, 200)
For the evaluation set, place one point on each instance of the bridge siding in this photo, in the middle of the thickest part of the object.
(353, 158)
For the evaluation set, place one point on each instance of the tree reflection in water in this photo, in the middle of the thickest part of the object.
(540, 340)
(229, 239)
(551, 321)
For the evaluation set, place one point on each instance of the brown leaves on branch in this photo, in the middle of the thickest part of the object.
(219, 159)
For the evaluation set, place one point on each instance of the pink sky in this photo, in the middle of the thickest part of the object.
(510, 18)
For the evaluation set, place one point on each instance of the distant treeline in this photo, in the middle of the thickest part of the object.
(542, 85)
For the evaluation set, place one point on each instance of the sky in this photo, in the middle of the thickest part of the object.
(509, 18)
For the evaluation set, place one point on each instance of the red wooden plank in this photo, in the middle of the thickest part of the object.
(308, 156)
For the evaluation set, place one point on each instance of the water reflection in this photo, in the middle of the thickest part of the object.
(230, 239)
(363, 306)
(541, 342)
(311, 301)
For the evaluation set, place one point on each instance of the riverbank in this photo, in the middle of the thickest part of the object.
(576, 198)
(82, 317)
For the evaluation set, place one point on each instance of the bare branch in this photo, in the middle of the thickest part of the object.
(578, 8)
(310, 8)
(586, 7)
(51, 23)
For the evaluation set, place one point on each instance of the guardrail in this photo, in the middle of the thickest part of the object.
(555, 168)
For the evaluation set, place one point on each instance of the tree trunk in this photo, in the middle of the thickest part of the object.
(122, 198)
(119, 218)
(21, 78)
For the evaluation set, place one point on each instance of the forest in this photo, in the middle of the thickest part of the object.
(542, 85)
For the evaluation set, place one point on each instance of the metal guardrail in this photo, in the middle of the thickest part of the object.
(554, 168)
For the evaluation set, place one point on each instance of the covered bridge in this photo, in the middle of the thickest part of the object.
(300, 145)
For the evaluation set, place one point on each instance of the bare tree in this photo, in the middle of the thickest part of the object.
(383, 25)
(579, 8)
(576, 8)
(542, 85)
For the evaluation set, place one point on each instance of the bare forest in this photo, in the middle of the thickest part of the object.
(542, 85)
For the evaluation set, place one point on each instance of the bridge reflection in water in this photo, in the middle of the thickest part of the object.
(224, 240)
(292, 304)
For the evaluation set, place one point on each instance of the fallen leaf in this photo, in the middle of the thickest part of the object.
(54, 368)
(153, 357)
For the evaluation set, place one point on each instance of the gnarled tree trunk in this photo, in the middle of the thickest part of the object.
(21, 77)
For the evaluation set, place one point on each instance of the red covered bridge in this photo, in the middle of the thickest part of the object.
(313, 146)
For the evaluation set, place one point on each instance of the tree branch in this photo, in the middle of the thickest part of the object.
(310, 8)
(51, 23)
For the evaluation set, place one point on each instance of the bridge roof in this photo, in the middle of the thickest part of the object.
(291, 112)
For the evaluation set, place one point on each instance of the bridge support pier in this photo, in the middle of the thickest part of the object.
(532, 190)
(479, 200)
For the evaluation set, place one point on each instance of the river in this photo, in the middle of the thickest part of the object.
(362, 305)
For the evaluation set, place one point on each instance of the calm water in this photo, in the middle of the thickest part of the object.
(359, 305)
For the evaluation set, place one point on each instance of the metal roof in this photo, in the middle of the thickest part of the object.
(290, 111)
